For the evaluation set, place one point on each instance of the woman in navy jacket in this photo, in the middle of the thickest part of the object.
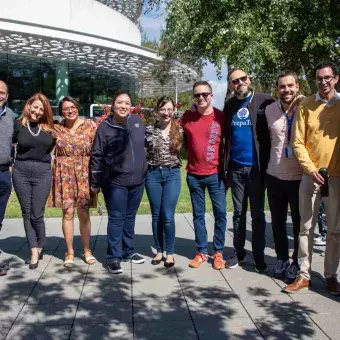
(118, 166)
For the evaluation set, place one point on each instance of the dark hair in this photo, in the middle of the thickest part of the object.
(329, 64)
(67, 99)
(176, 139)
(202, 82)
(286, 74)
(117, 94)
(232, 71)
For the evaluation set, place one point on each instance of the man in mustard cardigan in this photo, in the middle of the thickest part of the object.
(316, 143)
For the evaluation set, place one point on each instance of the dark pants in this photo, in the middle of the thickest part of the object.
(280, 194)
(163, 185)
(322, 220)
(122, 204)
(32, 184)
(5, 192)
(246, 182)
(216, 189)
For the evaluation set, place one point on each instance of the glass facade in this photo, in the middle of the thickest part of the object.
(26, 76)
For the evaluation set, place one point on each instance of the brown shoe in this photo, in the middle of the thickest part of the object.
(297, 286)
(333, 286)
(218, 261)
(198, 260)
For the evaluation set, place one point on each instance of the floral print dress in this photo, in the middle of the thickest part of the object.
(71, 180)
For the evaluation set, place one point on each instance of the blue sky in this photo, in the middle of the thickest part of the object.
(152, 24)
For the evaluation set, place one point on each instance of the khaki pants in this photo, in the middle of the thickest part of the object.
(309, 203)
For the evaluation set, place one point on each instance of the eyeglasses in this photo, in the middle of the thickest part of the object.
(68, 109)
(166, 110)
(205, 95)
(328, 79)
(239, 80)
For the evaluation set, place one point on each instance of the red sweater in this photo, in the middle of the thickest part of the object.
(204, 138)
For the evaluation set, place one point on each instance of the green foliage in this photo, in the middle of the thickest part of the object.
(262, 36)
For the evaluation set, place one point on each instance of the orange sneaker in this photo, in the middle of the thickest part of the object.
(219, 263)
(198, 260)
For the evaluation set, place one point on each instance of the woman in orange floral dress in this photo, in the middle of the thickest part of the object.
(70, 181)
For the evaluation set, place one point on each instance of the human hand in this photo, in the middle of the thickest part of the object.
(317, 178)
(95, 190)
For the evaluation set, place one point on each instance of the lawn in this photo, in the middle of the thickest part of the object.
(183, 205)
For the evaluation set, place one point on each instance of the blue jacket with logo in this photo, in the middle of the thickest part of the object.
(118, 155)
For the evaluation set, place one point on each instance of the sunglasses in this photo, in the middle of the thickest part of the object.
(205, 95)
(239, 80)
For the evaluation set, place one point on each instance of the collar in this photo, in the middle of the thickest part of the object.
(330, 102)
(3, 111)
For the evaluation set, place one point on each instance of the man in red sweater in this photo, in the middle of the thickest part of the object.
(203, 132)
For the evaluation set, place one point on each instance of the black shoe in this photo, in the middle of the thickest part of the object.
(261, 268)
(156, 262)
(40, 257)
(234, 261)
(169, 264)
(114, 267)
(135, 258)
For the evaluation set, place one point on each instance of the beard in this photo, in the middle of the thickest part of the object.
(242, 94)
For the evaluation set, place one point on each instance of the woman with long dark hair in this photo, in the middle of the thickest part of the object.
(163, 178)
(71, 180)
(32, 169)
(118, 166)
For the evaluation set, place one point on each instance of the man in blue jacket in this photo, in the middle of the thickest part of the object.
(245, 166)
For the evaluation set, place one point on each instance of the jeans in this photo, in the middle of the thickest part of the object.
(280, 194)
(32, 183)
(122, 204)
(216, 189)
(5, 192)
(163, 185)
(247, 182)
(322, 220)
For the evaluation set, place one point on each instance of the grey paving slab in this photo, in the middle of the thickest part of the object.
(153, 302)
(90, 312)
(103, 331)
(160, 310)
(228, 329)
(167, 330)
(39, 332)
(55, 314)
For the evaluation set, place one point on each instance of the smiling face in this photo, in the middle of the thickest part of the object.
(166, 112)
(288, 88)
(326, 81)
(203, 97)
(239, 83)
(122, 106)
(70, 111)
(36, 111)
(3, 93)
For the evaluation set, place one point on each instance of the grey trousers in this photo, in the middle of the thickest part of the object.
(32, 184)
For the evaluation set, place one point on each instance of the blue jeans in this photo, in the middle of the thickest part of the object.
(122, 204)
(163, 185)
(216, 189)
(5, 192)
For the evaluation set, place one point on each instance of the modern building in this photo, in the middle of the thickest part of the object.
(85, 48)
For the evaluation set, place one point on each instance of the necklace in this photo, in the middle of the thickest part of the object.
(30, 131)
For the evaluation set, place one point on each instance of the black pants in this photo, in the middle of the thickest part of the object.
(247, 183)
(32, 184)
(280, 193)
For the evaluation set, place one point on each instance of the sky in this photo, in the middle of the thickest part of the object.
(152, 24)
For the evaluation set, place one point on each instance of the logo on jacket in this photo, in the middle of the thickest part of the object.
(243, 113)
(136, 125)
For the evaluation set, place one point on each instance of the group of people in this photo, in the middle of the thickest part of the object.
(255, 143)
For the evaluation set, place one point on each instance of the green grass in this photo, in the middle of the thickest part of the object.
(183, 205)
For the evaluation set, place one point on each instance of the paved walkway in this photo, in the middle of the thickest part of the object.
(152, 302)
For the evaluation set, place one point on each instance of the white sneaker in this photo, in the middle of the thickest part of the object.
(320, 241)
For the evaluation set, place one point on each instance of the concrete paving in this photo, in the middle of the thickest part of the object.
(151, 302)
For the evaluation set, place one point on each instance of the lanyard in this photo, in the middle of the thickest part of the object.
(290, 125)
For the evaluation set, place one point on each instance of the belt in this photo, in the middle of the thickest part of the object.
(155, 167)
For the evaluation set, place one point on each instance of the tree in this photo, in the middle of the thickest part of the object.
(263, 36)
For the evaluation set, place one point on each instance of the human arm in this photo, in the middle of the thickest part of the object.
(263, 137)
(97, 160)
